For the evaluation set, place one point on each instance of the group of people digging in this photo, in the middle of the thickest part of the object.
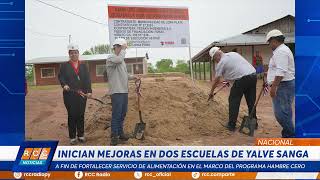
(75, 80)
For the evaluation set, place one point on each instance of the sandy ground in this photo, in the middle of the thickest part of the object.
(175, 111)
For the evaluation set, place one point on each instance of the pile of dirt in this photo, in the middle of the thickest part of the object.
(173, 108)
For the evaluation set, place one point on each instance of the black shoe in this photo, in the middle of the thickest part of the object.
(114, 140)
(123, 137)
(231, 128)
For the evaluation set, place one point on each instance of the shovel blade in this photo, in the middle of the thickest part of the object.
(250, 124)
(139, 130)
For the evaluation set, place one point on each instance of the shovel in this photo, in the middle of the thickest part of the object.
(141, 126)
(85, 96)
(225, 84)
(250, 122)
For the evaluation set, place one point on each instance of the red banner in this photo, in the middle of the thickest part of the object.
(125, 12)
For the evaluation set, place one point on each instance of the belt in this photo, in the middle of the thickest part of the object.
(253, 74)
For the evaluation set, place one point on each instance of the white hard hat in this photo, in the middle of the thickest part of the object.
(273, 33)
(120, 41)
(213, 51)
(72, 46)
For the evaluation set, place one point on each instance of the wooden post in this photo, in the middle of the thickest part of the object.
(192, 69)
(190, 62)
(204, 70)
(199, 70)
(195, 70)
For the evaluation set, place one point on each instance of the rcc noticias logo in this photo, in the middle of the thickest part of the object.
(34, 156)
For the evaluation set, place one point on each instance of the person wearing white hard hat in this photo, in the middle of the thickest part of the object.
(281, 77)
(76, 83)
(118, 77)
(233, 67)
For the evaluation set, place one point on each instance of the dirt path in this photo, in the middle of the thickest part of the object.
(175, 112)
(46, 116)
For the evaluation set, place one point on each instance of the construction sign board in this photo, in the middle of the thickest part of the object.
(149, 27)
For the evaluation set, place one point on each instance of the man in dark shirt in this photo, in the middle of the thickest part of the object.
(75, 80)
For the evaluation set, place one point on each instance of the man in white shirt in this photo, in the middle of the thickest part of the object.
(281, 75)
(233, 67)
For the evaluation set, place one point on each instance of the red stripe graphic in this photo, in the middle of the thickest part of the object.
(123, 12)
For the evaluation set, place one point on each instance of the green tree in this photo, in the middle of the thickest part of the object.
(151, 68)
(87, 52)
(182, 66)
(29, 73)
(164, 65)
(99, 49)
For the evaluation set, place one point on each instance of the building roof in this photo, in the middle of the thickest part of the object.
(244, 39)
(249, 39)
(285, 17)
(60, 59)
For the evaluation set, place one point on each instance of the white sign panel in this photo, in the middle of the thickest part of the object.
(149, 27)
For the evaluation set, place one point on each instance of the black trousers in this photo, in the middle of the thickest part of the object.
(245, 86)
(76, 106)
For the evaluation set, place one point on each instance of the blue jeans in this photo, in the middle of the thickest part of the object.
(282, 107)
(119, 110)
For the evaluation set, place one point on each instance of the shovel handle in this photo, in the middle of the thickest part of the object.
(139, 108)
(212, 95)
(138, 86)
(257, 101)
(140, 117)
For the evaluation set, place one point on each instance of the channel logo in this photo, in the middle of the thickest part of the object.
(35, 156)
